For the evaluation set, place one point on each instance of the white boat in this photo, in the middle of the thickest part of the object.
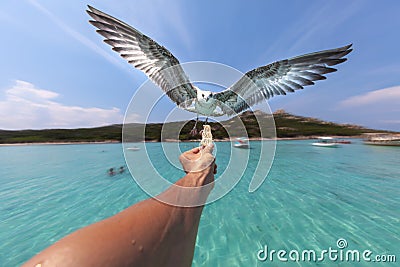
(242, 143)
(326, 141)
(134, 148)
(380, 139)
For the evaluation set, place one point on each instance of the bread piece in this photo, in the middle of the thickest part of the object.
(206, 134)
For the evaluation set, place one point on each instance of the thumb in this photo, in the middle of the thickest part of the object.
(195, 150)
(208, 148)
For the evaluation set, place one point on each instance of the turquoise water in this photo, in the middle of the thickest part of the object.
(311, 198)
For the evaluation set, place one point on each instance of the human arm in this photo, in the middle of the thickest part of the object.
(149, 233)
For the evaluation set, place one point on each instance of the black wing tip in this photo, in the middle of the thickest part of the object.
(336, 61)
(92, 9)
(91, 12)
(94, 12)
(343, 51)
(346, 47)
(93, 22)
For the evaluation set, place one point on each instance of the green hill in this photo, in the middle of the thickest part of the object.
(287, 126)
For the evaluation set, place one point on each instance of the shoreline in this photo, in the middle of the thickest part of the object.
(170, 141)
(61, 143)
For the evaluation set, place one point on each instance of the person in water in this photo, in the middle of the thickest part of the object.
(121, 170)
(111, 172)
(148, 233)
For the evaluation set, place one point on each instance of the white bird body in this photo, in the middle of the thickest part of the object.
(262, 83)
(205, 104)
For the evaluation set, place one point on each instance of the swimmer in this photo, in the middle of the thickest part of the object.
(111, 172)
(148, 233)
(121, 170)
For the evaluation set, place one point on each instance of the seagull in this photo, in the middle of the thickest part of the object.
(278, 78)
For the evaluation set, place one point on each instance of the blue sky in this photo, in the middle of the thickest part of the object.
(57, 73)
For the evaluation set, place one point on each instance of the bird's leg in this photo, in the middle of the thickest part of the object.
(206, 120)
(194, 132)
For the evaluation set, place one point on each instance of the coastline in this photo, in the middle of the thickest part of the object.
(287, 127)
(60, 143)
(172, 141)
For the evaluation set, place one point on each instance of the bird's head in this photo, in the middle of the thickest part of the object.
(204, 95)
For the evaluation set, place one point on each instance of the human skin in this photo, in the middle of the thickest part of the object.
(149, 233)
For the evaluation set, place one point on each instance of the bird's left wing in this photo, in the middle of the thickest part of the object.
(145, 54)
(279, 78)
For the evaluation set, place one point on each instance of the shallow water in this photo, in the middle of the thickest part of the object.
(312, 197)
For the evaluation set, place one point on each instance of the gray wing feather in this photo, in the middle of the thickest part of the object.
(279, 78)
(144, 54)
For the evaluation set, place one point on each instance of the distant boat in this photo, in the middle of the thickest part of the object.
(326, 141)
(134, 148)
(381, 139)
(242, 142)
(343, 141)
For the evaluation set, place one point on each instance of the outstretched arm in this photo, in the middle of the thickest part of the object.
(149, 233)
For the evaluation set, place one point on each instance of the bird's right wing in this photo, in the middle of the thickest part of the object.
(146, 55)
(279, 78)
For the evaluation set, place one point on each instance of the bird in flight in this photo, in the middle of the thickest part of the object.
(259, 84)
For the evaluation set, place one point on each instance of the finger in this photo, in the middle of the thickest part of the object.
(209, 148)
(194, 150)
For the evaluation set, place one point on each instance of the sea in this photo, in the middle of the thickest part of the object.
(317, 207)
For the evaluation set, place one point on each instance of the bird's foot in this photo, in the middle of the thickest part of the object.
(193, 132)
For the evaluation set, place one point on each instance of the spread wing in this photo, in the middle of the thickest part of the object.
(279, 78)
(144, 54)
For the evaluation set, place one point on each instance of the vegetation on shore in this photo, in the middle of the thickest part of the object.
(287, 126)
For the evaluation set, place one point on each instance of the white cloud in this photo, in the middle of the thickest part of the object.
(378, 109)
(383, 97)
(28, 107)
(133, 118)
(29, 92)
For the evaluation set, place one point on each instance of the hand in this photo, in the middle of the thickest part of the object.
(197, 159)
(200, 161)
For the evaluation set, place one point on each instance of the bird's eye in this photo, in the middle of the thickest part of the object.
(202, 95)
